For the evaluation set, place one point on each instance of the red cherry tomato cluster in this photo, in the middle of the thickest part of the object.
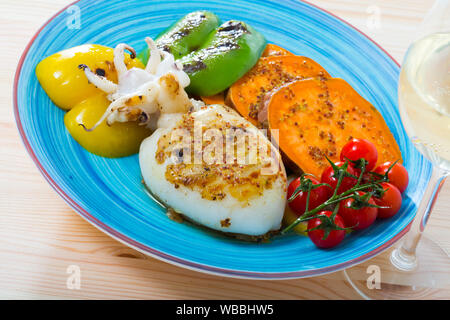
(347, 182)
(358, 200)
(318, 196)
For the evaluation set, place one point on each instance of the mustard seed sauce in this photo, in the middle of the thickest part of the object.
(217, 176)
(271, 73)
(323, 116)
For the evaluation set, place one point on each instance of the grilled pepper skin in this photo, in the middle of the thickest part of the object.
(227, 54)
(185, 35)
(66, 84)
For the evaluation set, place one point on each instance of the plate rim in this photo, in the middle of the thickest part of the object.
(184, 263)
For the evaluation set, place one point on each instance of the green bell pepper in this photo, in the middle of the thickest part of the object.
(227, 54)
(185, 35)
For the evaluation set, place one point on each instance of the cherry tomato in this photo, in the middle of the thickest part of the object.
(358, 218)
(316, 198)
(347, 182)
(392, 198)
(334, 237)
(398, 176)
(356, 149)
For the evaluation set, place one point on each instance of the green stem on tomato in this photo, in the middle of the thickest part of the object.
(307, 198)
(341, 177)
(363, 169)
(335, 198)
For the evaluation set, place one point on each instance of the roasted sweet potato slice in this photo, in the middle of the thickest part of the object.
(247, 94)
(215, 99)
(315, 118)
(274, 50)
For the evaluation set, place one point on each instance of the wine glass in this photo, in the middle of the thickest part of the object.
(418, 267)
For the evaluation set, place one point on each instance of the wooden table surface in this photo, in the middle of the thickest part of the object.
(40, 235)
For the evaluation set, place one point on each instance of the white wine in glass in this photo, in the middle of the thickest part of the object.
(424, 97)
(419, 267)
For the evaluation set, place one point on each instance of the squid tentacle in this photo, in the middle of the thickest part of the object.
(108, 111)
(155, 56)
(175, 67)
(100, 82)
(150, 90)
(119, 58)
(137, 92)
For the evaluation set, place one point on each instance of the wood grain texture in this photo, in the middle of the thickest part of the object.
(41, 236)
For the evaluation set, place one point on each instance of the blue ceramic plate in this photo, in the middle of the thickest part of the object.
(108, 192)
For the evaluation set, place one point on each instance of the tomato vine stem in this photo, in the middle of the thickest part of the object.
(335, 198)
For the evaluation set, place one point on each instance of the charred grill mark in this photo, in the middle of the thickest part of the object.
(228, 46)
(100, 72)
(234, 26)
(194, 66)
(165, 48)
(182, 33)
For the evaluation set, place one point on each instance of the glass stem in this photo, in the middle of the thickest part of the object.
(404, 257)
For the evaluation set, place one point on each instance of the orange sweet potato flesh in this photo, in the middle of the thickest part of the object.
(274, 50)
(248, 93)
(269, 51)
(317, 117)
(215, 99)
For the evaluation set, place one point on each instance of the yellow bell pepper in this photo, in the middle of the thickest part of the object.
(117, 140)
(289, 217)
(66, 84)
